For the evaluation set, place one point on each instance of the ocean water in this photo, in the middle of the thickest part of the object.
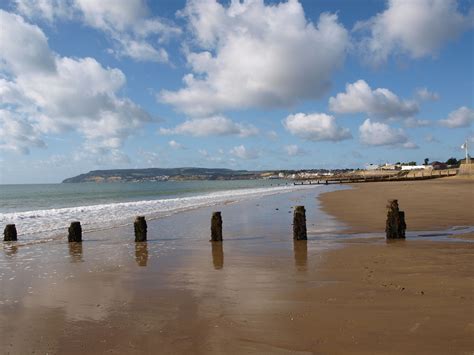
(46, 210)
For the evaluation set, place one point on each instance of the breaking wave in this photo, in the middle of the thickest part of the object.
(47, 223)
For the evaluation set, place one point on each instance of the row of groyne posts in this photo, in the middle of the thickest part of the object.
(394, 229)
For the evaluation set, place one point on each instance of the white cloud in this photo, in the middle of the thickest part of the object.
(410, 145)
(256, 55)
(243, 153)
(67, 95)
(462, 117)
(381, 102)
(175, 145)
(127, 22)
(23, 47)
(315, 127)
(412, 122)
(425, 95)
(293, 150)
(49, 10)
(381, 134)
(212, 126)
(416, 28)
(17, 134)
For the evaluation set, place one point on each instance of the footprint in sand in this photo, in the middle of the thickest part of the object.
(414, 328)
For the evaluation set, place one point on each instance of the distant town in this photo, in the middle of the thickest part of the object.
(191, 173)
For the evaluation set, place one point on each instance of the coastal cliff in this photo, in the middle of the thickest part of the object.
(162, 174)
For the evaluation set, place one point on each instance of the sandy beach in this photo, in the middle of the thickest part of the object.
(428, 205)
(257, 292)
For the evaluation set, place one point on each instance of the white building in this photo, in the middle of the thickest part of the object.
(416, 167)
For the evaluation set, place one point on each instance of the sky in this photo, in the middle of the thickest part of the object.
(252, 84)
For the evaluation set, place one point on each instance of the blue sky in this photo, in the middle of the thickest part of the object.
(90, 85)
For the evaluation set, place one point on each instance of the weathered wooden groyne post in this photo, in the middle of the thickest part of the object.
(75, 233)
(216, 227)
(9, 234)
(299, 223)
(395, 226)
(140, 228)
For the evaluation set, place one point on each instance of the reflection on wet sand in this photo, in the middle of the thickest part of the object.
(141, 253)
(395, 241)
(300, 248)
(10, 249)
(75, 252)
(217, 255)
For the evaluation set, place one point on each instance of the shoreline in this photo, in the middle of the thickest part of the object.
(101, 216)
(428, 205)
(256, 292)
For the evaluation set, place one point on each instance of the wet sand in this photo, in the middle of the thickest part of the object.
(257, 292)
(428, 205)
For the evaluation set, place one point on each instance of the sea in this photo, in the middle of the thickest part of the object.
(43, 211)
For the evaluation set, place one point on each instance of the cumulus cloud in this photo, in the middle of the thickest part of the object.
(212, 126)
(175, 145)
(23, 47)
(425, 95)
(244, 153)
(381, 134)
(415, 28)
(462, 117)
(381, 102)
(254, 55)
(17, 134)
(315, 127)
(52, 94)
(126, 22)
(293, 150)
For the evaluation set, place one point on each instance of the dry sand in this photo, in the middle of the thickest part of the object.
(428, 205)
(255, 293)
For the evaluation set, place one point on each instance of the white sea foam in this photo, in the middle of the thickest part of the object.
(40, 224)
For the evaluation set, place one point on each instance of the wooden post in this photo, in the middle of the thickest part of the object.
(395, 226)
(299, 223)
(140, 228)
(9, 234)
(75, 232)
(216, 227)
